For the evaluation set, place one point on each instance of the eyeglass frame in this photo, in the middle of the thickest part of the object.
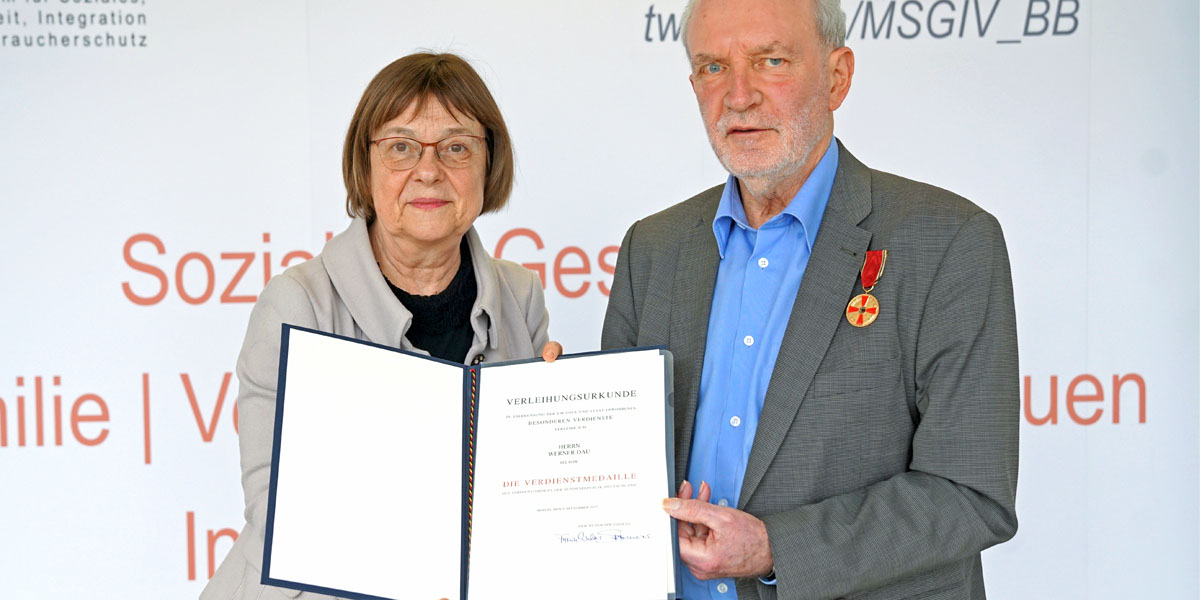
(421, 152)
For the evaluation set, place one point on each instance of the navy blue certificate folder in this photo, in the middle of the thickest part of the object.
(397, 475)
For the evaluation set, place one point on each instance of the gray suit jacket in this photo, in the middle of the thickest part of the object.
(886, 457)
(342, 291)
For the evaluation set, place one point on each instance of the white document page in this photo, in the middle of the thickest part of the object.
(369, 494)
(569, 480)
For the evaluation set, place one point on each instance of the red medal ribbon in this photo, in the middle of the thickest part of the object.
(873, 268)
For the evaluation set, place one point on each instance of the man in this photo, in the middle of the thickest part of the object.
(847, 429)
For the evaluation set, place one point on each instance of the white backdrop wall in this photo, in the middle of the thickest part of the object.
(152, 149)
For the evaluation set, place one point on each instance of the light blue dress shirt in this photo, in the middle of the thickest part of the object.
(757, 281)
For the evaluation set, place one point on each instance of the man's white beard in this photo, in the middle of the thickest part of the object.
(798, 139)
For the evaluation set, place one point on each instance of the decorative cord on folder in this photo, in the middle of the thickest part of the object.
(471, 459)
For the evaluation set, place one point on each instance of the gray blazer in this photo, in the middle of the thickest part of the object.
(886, 457)
(342, 291)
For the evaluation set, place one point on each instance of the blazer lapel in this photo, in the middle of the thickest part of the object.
(829, 278)
(691, 301)
(360, 285)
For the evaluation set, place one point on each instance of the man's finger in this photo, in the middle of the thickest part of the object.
(693, 511)
(686, 531)
(685, 490)
(704, 495)
(698, 574)
(551, 351)
(685, 493)
(690, 553)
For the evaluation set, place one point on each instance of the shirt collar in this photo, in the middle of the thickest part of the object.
(807, 206)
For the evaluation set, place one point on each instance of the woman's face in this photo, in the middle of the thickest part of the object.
(429, 204)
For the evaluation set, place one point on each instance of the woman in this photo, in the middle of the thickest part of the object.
(426, 153)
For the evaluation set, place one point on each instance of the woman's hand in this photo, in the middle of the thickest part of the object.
(551, 351)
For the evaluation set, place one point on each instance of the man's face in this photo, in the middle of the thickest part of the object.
(761, 77)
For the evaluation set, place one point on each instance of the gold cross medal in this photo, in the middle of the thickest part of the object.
(864, 308)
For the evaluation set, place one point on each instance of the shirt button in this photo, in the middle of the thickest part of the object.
(735, 421)
(748, 340)
(763, 262)
(723, 502)
(721, 587)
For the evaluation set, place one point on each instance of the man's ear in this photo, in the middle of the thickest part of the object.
(841, 73)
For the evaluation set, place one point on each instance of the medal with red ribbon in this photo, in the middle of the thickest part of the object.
(864, 308)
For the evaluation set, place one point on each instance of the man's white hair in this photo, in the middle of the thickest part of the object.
(831, 23)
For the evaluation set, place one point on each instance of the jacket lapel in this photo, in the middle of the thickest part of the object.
(691, 301)
(829, 278)
(360, 285)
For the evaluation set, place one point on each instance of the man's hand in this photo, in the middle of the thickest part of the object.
(551, 351)
(716, 541)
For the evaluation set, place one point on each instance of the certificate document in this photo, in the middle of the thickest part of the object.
(570, 477)
(396, 475)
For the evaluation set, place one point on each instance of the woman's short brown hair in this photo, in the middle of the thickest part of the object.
(416, 78)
